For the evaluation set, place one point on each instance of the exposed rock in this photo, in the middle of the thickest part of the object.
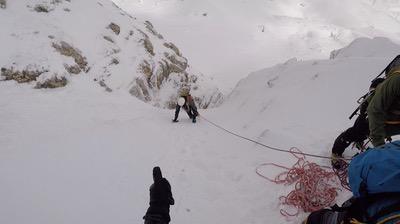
(108, 39)
(67, 10)
(148, 46)
(130, 34)
(52, 83)
(173, 47)
(103, 84)
(114, 27)
(114, 61)
(193, 78)
(3, 4)
(51, 37)
(216, 98)
(140, 90)
(146, 69)
(67, 50)
(162, 73)
(334, 54)
(41, 8)
(21, 76)
(72, 69)
(150, 28)
(180, 62)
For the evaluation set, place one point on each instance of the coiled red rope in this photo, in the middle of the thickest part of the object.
(314, 187)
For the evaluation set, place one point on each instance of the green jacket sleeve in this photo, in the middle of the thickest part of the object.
(378, 108)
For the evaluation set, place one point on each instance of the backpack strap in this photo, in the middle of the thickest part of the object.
(385, 211)
(360, 206)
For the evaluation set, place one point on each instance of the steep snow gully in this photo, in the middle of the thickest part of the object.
(82, 155)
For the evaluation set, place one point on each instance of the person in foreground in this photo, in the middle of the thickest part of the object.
(160, 200)
(380, 114)
(384, 108)
(359, 132)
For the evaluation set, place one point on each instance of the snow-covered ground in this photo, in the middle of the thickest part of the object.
(228, 39)
(81, 155)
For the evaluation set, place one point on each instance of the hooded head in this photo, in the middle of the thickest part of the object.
(394, 64)
(157, 175)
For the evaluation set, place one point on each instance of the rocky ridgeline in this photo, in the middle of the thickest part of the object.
(155, 76)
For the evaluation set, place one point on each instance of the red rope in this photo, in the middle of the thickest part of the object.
(314, 187)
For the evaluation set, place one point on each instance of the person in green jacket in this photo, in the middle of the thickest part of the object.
(356, 134)
(384, 107)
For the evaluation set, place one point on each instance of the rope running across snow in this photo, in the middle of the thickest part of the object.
(267, 146)
(314, 185)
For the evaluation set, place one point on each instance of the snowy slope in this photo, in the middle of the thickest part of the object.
(308, 99)
(63, 39)
(231, 38)
(82, 155)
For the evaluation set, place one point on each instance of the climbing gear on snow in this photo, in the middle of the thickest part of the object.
(314, 187)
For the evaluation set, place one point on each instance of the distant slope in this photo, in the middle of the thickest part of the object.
(307, 101)
(50, 43)
(231, 38)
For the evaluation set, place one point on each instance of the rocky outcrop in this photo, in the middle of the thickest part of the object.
(125, 54)
(52, 83)
(172, 47)
(115, 28)
(140, 90)
(148, 46)
(151, 29)
(20, 76)
(67, 50)
(42, 8)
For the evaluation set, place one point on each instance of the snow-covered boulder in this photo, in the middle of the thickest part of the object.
(47, 42)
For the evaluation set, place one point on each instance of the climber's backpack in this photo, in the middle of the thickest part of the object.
(374, 178)
(376, 171)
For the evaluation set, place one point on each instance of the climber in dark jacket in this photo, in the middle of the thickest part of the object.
(359, 132)
(160, 200)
